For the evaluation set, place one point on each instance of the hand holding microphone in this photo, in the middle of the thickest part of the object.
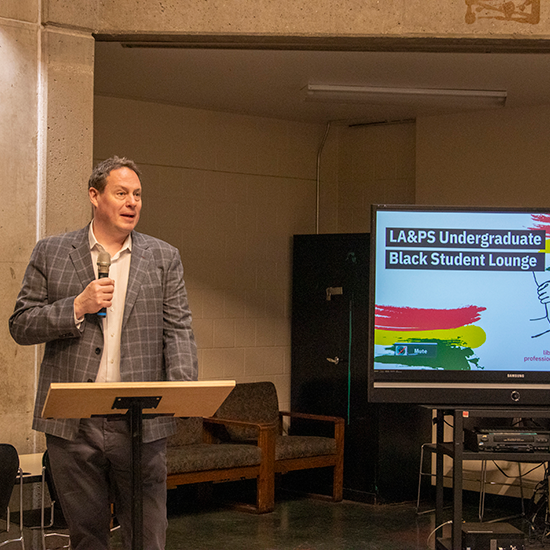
(98, 295)
(103, 264)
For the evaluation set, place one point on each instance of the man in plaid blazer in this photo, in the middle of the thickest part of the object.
(146, 335)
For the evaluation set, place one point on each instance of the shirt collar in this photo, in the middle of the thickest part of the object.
(95, 244)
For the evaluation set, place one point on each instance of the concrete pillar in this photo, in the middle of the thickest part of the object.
(19, 43)
(68, 62)
(46, 106)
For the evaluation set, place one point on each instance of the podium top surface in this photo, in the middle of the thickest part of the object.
(85, 399)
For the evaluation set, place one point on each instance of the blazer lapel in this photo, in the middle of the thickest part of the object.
(82, 258)
(82, 262)
(139, 263)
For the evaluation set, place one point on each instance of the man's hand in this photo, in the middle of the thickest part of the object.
(98, 294)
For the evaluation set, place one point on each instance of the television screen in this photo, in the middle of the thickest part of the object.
(460, 305)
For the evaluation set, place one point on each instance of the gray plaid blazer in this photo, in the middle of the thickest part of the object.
(157, 341)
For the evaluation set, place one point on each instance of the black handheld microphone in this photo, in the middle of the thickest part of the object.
(103, 264)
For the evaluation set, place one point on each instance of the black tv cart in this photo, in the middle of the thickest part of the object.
(455, 450)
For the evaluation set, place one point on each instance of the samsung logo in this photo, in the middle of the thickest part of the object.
(515, 376)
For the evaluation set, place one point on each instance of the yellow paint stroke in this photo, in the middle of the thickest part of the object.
(470, 336)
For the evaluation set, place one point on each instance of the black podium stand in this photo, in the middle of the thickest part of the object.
(139, 399)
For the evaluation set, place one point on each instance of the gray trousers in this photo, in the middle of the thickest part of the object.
(94, 470)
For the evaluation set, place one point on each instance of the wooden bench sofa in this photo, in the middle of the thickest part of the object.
(194, 455)
(244, 440)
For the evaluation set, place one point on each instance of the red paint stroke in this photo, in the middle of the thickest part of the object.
(542, 221)
(409, 318)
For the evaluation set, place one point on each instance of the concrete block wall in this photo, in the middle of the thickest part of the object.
(229, 191)
(376, 165)
(490, 158)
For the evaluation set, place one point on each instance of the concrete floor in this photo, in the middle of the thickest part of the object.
(303, 524)
(300, 523)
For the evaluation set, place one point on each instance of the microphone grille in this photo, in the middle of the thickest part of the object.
(104, 258)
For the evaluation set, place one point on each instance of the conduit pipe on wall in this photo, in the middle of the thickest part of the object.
(318, 177)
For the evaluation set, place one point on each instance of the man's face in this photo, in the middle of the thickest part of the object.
(117, 207)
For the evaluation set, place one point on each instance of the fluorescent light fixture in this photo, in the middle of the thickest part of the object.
(380, 95)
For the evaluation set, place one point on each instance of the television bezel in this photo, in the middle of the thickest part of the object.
(451, 388)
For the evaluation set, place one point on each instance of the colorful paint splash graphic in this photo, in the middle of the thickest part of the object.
(451, 330)
(542, 222)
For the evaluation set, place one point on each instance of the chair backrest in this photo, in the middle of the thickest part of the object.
(250, 402)
(54, 497)
(188, 432)
(49, 478)
(9, 466)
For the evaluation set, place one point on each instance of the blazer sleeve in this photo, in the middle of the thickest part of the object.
(180, 351)
(44, 310)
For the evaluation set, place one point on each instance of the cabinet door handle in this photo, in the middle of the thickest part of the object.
(333, 291)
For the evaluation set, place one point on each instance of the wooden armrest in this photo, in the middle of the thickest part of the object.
(322, 418)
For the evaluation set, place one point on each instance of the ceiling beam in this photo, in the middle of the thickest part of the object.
(331, 43)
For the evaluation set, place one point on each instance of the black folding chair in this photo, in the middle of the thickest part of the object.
(57, 520)
(9, 475)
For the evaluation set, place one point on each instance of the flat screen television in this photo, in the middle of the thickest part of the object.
(458, 301)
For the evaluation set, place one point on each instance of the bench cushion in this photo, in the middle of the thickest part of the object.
(205, 456)
(296, 446)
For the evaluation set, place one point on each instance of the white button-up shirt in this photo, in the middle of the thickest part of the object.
(109, 368)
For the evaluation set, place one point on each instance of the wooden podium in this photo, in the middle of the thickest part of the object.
(136, 399)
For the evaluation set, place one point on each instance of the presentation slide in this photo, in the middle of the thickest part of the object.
(459, 290)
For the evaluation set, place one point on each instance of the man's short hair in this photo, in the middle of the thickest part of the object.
(98, 179)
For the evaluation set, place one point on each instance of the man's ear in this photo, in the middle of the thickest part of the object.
(92, 195)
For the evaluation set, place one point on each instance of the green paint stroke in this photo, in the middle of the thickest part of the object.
(450, 356)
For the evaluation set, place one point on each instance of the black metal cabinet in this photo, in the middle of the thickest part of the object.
(330, 319)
